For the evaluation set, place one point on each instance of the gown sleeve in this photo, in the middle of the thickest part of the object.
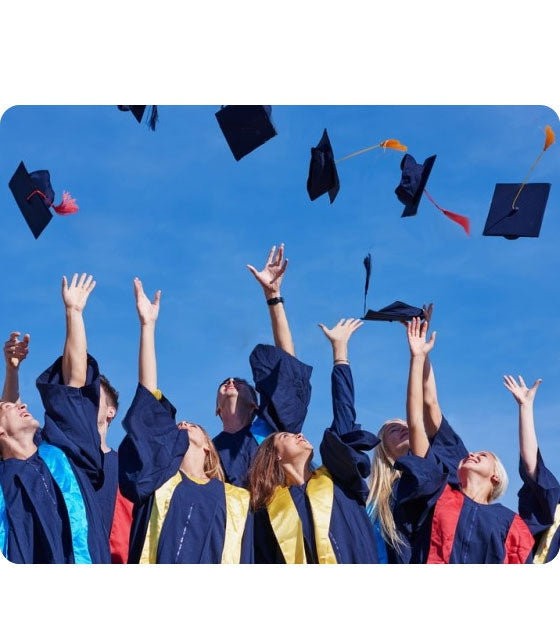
(153, 448)
(421, 484)
(283, 384)
(344, 445)
(71, 418)
(448, 447)
(538, 498)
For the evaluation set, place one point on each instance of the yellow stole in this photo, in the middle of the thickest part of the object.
(237, 508)
(286, 523)
(544, 544)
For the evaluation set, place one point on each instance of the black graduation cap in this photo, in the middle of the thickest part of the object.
(323, 176)
(517, 210)
(413, 181)
(138, 113)
(245, 127)
(34, 196)
(395, 311)
(367, 265)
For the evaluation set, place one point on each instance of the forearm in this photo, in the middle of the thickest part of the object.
(414, 407)
(431, 408)
(280, 326)
(10, 392)
(74, 356)
(528, 444)
(147, 366)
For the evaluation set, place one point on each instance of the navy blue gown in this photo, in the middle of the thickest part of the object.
(343, 452)
(283, 384)
(39, 528)
(194, 526)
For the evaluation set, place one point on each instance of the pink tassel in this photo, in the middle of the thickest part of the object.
(67, 206)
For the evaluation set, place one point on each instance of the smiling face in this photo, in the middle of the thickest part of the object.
(395, 438)
(237, 389)
(486, 467)
(291, 447)
(16, 421)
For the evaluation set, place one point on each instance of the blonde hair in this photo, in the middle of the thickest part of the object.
(212, 463)
(383, 477)
(501, 486)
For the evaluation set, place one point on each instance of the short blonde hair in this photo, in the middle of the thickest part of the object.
(501, 486)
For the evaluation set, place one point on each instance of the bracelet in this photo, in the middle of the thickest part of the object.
(341, 360)
(273, 301)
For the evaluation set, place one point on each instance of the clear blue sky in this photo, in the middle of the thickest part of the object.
(174, 208)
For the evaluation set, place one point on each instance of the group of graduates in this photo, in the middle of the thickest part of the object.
(410, 494)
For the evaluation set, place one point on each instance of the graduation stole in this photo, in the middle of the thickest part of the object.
(237, 508)
(286, 522)
(544, 544)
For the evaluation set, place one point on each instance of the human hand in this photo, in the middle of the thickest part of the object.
(416, 333)
(428, 310)
(76, 294)
(270, 277)
(15, 350)
(147, 311)
(520, 392)
(341, 331)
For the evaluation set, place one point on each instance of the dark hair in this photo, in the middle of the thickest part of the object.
(266, 473)
(110, 391)
(251, 388)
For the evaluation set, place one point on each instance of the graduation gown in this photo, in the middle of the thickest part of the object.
(325, 519)
(539, 506)
(176, 519)
(283, 384)
(50, 520)
(444, 526)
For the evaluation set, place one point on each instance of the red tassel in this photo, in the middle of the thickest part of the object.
(462, 220)
(67, 206)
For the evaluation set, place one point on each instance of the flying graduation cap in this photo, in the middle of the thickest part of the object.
(323, 176)
(245, 127)
(396, 311)
(138, 112)
(413, 184)
(35, 196)
(517, 210)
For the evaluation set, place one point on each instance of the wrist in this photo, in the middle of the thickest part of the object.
(274, 301)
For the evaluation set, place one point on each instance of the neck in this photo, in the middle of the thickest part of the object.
(193, 463)
(297, 472)
(235, 418)
(19, 449)
(476, 489)
(102, 429)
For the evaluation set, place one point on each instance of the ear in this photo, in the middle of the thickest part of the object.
(494, 479)
(111, 412)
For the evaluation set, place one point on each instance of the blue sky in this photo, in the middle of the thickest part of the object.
(174, 208)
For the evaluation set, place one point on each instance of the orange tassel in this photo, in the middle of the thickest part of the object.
(550, 137)
(67, 206)
(393, 144)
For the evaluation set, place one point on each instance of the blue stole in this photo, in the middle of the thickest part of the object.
(260, 429)
(379, 540)
(62, 473)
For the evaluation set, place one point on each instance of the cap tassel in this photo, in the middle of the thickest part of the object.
(549, 138)
(367, 265)
(391, 143)
(153, 118)
(462, 220)
(67, 206)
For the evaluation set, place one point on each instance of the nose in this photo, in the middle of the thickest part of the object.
(23, 406)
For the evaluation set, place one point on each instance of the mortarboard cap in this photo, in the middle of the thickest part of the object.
(395, 311)
(138, 113)
(523, 219)
(323, 176)
(34, 196)
(413, 181)
(245, 127)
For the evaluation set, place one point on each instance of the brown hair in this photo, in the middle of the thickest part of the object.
(266, 473)
(212, 464)
(110, 391)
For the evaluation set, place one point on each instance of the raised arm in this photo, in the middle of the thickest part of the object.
(74, 356)
(147, 314)
(432, 411)
(528, 445)
(15, 352)
(419, 349)
(270, 279)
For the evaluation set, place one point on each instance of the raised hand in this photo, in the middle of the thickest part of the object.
(428, 310)
(270, 277)
(16, 350)
(147, 311)
(416, 333)
(522, 394)
(76, 293)
(341, 331)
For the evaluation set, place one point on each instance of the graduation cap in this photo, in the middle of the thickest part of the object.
(323, 176)
(395, 311)
(367, 265)
(413, 184)
(517, 210)
(245, 127)
(35, 196)
(138, 112)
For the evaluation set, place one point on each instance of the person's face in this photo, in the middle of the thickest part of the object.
(482, 463)
(14, 419)
(291, 447)
(197, 437)
(395, 439)
(106, 410)
(234, 388)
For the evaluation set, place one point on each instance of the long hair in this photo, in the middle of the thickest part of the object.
(212, 464)
(383, 477)
(266, 473)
